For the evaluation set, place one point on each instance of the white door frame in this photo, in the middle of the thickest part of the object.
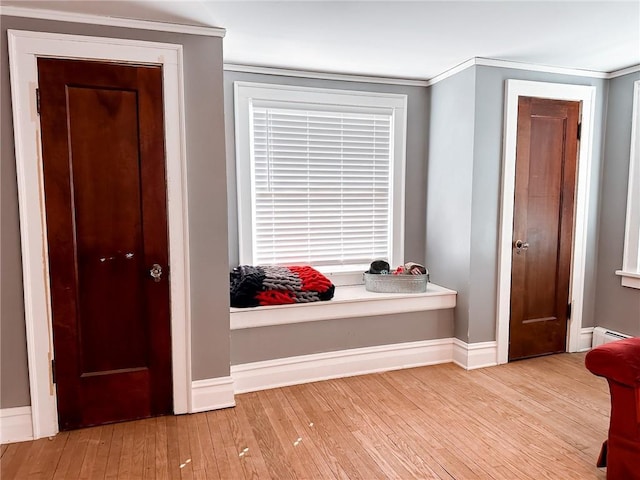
(558, 91)
(24, 48)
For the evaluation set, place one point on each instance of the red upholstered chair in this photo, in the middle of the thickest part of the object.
(619, 363)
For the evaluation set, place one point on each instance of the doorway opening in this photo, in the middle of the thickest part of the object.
(577, 93)
(24, 50)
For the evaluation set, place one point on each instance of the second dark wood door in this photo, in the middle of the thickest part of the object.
(105, 196)
(546, 160)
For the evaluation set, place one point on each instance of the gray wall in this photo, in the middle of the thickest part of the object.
(206, 179)
(449, 189)
(616, 307)
(266, 343)
(467, 200)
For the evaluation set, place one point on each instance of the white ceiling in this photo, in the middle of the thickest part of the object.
(416, 39)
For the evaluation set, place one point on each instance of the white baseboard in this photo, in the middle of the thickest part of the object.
(217, 393)
(212, 394)
(251, 377)
(474, 355)
(586, 339)
(15, 425)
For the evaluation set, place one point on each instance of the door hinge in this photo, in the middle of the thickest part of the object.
(38, 100)
(53, 370)
(579, 130)
(569, 310)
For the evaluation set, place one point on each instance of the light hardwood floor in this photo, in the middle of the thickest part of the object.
(542, 418)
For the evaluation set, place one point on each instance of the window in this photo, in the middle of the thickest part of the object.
(631, 258)
(320, 177)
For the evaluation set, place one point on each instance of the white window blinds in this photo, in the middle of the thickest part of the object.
(321, 186)
(320, 175)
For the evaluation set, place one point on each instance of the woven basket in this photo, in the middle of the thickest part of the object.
(396, 283)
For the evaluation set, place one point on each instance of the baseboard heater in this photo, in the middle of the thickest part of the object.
(604, 335)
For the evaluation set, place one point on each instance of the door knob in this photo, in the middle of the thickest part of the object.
(520, 245)
(156, 272)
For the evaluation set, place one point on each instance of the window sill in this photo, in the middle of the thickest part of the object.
(348, 301)
(629, 279)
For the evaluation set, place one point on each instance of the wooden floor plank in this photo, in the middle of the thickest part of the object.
(297, 436)
(214, 422)
(161, 452)
(274, 452)
(73, 454)
(366, 428)
(46, 464)
(329, 448)
(477, 398)
(205, 461)
(332, 430)
(125, 466)
(137, 459)
(542, 418)
(173, 451)
(95, 460)
(150, 438)
(17, 460)
(115, 451)
(184, 448)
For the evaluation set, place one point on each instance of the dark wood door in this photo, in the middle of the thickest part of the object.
(546, 157)
(105, 196)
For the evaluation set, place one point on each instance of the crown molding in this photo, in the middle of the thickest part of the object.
(576, 72)
(452, 71)
(110, 21)
(624, 71)
(531, 67)
(480, 61)
(345, 77)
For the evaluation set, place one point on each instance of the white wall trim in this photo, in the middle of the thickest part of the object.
(586, 339)
(576, 72)
(87, 18)
(474, 355)
(532, 67)
(251, 377)
(586, 95)
(489, 62)
(212, 394)
(630, 271)
(451, 72)
(624, 71)
(15, 425)
(629, 279)
(343, 77)
(24, 48)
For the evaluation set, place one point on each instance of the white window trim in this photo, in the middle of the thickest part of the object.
(24, 48)
(247, 92)
(630, 272)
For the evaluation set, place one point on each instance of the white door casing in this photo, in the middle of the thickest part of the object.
(24, 48)
(586, 95)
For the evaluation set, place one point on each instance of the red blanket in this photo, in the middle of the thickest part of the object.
(273, 285)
